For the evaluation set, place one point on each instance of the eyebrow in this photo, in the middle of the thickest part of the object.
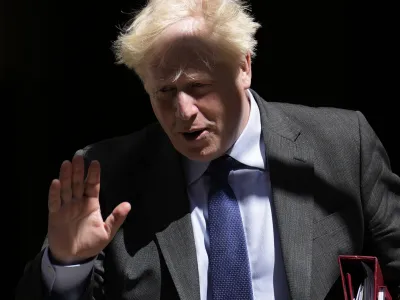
(189, 76)
(197, 76)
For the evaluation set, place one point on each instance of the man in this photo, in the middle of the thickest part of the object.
(228, 196)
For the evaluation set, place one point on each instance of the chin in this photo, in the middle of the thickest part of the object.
(207, 150)
(204, 154)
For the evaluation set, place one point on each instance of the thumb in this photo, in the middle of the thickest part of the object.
(116, 218)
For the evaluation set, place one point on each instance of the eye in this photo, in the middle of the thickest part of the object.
(167, 89)
(198, 85)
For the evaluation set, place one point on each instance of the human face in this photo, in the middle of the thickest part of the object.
(202, 106)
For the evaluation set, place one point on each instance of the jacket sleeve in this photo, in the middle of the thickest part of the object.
(31, 285)
(380, 191)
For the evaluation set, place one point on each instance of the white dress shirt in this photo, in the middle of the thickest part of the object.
(253, 191)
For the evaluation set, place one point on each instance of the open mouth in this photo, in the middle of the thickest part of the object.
(191, 136)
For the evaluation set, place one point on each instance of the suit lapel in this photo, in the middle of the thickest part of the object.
(174, 227)
(291, 171)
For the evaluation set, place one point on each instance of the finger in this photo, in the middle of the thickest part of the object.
(116, 218)
(77, 176)
(92, 185)
(54, 201)
(65, 180)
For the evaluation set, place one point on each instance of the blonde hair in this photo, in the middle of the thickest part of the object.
(228, 24)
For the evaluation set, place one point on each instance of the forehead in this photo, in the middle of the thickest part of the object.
(189, 58)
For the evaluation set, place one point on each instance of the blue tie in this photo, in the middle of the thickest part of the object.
(229, 270)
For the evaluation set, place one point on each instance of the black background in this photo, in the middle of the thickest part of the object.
(59, 75)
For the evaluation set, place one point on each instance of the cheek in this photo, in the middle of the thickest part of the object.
(225, 113)
(164, 112)
(228, 120)
(211, 110)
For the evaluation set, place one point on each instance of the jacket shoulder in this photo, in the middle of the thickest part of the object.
(333, 124)
(311, 116)
(111, 151)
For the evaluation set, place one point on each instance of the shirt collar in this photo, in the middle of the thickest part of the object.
(248, 148)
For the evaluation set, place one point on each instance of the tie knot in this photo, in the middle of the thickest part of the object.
(219, 168)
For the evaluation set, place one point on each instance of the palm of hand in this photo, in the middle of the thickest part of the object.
(76, 230)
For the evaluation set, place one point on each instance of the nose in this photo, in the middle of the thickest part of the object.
(185, 107)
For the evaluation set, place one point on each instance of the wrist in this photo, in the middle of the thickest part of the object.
(56, 260)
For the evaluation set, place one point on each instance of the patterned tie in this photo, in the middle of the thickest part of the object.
(229, 270)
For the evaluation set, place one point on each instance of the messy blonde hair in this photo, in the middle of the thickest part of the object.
(228, 24)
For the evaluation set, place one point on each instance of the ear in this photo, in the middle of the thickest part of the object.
(245, 68)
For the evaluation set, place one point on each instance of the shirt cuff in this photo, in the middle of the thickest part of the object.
(64, 278)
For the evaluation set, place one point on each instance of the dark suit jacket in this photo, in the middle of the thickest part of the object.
(333, 193)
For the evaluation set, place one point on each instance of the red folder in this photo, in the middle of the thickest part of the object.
(354, 271)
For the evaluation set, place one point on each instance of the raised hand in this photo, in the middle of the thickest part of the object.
(76, 230)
